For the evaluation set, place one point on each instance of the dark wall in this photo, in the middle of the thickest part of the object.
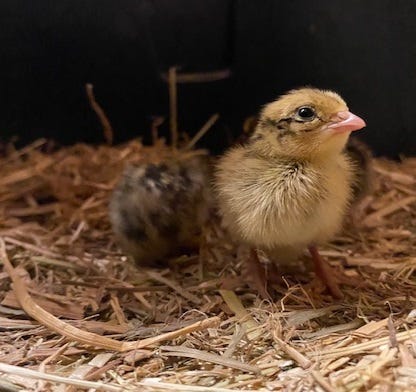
(366, 50)
(49, 50)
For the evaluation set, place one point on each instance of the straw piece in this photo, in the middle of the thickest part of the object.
(7, 323)
(173, 106)
(180, 351)
(200, 77)
(115, 304)
(38, 210)
(174, 286)
(57, 263)
(98, 362)
(392, 333)
(15, 155)
(99, 386)
(322, 381)
(205, 128)
(51, 306)
(50, 358)
(159, 385)
(373, 219)
(148, 342)
(334, 329)
(299, 317)
(243, 316)
(407, 358)
(26, 173)
(367, 346)
(105, 122)
(298, 357)
(237, 336)
(407, 371)
(6, 386)
(370, 328)
(401, 178)
(35, 248)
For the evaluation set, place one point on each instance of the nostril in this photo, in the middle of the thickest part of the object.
(342, 115)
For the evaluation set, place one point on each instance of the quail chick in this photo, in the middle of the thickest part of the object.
(158, 208)
(289, 187)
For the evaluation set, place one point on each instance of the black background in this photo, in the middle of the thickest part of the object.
(365, 50)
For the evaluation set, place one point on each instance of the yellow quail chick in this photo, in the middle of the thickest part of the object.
(158, 209)
(289, 187)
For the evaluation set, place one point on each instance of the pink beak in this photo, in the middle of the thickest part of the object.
(346, 122)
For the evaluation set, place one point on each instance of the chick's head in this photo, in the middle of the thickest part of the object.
(306, 123)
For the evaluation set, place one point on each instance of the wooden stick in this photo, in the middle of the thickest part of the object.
(105, 122)
(173, 106)
(200, 77)
(205, 128)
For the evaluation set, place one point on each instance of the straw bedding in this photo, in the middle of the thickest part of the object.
(79, 316)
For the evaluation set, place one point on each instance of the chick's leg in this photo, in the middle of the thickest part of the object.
(325, 273)
(258, 275)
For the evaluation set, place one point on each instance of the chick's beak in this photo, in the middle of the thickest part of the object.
(346, 122)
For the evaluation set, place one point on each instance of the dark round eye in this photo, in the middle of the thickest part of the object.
(305, 113)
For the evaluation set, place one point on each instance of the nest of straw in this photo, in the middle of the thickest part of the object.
(75, 315)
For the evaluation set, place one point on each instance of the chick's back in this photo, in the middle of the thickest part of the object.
(157, 208)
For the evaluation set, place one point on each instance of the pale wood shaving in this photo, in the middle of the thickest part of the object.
(64, 380)
(180, 351)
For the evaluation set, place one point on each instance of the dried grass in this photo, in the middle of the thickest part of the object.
(67, 280)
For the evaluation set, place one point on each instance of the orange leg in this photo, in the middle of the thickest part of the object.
(258, 275)
(255, 274)
(325, 273)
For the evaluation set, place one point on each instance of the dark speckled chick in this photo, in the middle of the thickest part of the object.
(158, 208)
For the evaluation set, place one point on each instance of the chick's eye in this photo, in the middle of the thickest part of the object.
(306, 113)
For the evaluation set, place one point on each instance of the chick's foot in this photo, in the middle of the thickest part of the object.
(327, 275)
(259, 275)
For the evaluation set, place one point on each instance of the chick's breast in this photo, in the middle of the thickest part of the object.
(272, 203)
